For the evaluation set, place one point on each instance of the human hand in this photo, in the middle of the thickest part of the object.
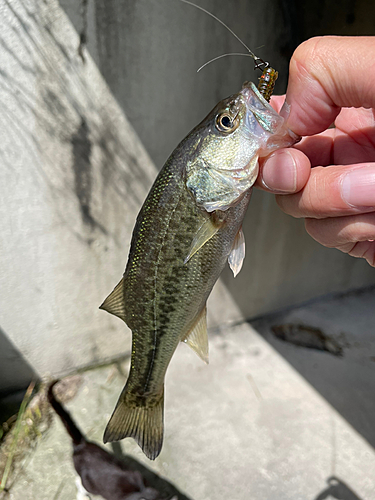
(332, 79)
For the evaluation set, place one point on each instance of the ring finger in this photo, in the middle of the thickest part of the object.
(353, 234)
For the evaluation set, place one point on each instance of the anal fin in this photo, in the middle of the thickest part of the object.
(114, 303)
(237, 255)
(197, 337)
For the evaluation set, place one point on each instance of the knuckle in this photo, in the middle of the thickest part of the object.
(287, 204)
(313, 228)
(317, 229)
(306, 54)
(364, 250)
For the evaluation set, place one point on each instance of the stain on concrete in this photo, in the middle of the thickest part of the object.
(82, 148)
(307, 336)
(83, 175)
(124, 181)
(83, 32)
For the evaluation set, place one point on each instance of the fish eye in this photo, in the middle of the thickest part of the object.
(224, 123)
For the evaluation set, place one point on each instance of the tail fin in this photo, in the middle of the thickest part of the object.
(65, 417)
(143, 423)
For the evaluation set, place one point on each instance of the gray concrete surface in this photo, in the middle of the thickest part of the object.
(347, 382)
(148, 53)
(73, 175)
(74, 170)
(265, 420)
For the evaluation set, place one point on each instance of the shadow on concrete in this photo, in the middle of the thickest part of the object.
(347, 382)
(337, 489)
(15, 376)
(166, 489)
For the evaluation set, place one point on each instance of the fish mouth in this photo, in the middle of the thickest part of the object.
(251, 94)
(256, 103)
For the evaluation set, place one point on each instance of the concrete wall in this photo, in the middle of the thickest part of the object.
(84, 86)
(148, 52)
(73, 176)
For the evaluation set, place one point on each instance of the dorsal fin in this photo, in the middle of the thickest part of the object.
(115, 303)
(197, 337)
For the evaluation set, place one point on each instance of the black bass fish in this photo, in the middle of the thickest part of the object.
(188, 227)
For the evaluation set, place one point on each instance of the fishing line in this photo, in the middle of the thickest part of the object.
(259, 63)
(222, 55)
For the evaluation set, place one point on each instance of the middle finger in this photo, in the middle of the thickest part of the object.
(333, 191)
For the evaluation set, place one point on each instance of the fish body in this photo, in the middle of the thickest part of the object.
(188, 227)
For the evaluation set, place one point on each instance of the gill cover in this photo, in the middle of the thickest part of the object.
(227, 163)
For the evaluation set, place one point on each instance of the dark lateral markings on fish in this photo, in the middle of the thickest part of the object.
(187, 229)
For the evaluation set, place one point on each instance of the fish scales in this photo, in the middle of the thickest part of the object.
(169, 291)
(188, 227)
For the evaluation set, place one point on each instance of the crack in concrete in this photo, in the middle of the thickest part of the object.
(83, 32)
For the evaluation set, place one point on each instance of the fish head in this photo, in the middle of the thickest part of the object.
(238, 131)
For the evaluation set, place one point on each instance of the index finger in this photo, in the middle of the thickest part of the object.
(326, 74)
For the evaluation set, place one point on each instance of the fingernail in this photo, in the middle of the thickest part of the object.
(358, 187)
(285, 110)
(280, 172)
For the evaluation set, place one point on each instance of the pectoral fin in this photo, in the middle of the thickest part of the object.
(237, 255)
(114, 303)
(197, 337)
(207, 230)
